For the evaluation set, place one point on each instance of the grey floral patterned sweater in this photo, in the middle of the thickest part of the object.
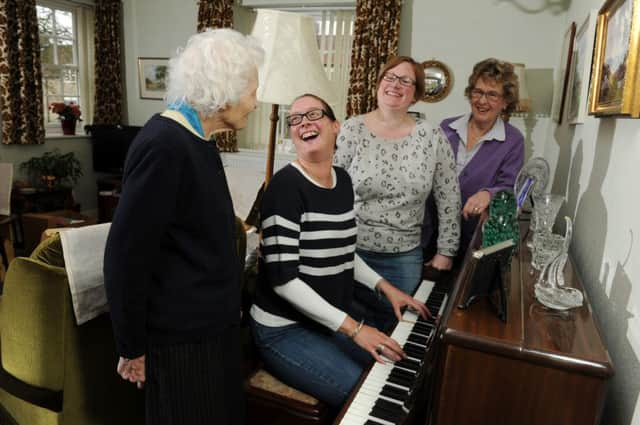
(391, 181)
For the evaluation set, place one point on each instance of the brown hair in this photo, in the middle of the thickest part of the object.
(325, 105)
(417, 69)
(502, 73)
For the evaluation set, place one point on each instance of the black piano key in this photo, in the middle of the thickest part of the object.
(401, 374)
(413, 350)
(389, 406)
(370, 422)
(409, 364)
(394, 393)
(417, 339)
(422, 328)
(385, 409)
(404, 373)
(377, 412)
(398, 381)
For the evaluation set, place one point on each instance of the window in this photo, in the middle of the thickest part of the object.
(66, 56)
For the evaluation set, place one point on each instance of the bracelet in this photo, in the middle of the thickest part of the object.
(357, 329)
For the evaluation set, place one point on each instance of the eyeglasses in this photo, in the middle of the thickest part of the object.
(492, 96)
(312, 115)
(405, 81)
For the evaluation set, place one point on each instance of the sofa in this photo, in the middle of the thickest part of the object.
(53, 371)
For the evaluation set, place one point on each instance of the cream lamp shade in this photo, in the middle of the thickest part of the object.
(292, 63)
(292, 66)
(524, 104)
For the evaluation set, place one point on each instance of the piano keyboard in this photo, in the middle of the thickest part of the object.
(385, 396)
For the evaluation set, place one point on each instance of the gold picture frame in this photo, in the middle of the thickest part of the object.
(615, 82)
(152, 74)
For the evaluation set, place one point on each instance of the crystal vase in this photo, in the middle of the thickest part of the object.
(546, 208)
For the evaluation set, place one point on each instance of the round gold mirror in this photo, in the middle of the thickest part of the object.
(438, 81)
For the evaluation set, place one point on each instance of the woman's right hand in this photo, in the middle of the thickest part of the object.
(379, 345)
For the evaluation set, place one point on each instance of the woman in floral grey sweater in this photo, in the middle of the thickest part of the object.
(395, 162)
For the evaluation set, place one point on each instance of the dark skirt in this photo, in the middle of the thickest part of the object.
(196, 383)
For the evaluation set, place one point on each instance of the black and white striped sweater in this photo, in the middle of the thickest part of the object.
(308, 256)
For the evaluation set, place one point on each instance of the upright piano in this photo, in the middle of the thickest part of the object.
(540, 367)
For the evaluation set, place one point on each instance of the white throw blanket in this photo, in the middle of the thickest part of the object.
(83, 249)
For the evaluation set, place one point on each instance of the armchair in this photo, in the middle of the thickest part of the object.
(54, 372)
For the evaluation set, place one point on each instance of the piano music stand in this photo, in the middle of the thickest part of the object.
(485, 277)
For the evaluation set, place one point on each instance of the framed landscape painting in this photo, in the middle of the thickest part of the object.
(562, 74)
(615, 75)
(581, 70)
(152, 74)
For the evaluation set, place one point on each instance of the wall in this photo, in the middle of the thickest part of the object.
(594, 166)
(461, 33)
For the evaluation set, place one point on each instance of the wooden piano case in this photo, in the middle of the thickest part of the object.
(541, 367)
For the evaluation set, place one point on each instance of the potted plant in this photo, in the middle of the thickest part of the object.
(68, 114)
(53, 169)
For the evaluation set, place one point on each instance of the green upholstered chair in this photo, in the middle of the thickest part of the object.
(53, 371)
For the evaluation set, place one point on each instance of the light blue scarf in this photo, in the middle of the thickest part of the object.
(190, 115)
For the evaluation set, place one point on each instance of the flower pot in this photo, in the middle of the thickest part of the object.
(69, 127)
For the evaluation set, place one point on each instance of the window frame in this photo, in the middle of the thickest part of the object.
(81, 64)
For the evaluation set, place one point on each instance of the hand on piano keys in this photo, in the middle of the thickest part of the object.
(387, 393)
(399, 299)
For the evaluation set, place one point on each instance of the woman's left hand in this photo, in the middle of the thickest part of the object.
(476, 204)
(399, 299)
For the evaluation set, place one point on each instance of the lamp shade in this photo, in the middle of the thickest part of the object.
(524, 103)
(292, 63)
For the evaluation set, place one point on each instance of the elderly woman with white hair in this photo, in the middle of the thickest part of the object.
(171, 270)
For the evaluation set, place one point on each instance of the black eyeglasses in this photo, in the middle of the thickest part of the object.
(492, 96)
(391, 77)
(312, 115)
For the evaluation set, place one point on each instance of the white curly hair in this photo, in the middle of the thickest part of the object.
(213, 70)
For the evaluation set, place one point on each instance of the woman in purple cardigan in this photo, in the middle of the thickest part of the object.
(489, 151)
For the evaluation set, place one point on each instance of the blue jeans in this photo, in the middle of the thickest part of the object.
(326, 366)
(403, 270)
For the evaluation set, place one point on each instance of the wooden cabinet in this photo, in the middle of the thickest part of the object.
(541, 367)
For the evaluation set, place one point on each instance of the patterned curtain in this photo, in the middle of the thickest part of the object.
(218, 14)
(108, 69)
(375, 41)
(20, 74)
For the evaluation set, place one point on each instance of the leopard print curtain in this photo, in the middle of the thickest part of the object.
(20, 74)
(108, 100)
(375, 41)
(218, 14)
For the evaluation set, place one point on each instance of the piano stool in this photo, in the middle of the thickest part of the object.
(270, 401)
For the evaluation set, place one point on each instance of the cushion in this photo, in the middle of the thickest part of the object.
(49, 251)
(263, 380)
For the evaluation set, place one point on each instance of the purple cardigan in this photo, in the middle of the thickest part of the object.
(494, 168)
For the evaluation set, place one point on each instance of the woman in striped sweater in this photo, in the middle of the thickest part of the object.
(300, 321)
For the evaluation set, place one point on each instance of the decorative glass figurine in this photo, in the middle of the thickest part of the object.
(550, 287)
(545, 211)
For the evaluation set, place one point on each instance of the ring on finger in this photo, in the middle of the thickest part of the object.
(380, 348)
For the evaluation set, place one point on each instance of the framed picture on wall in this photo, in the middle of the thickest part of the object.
(562, 75)
(615, 75)
(581, 70)
(152, 74)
